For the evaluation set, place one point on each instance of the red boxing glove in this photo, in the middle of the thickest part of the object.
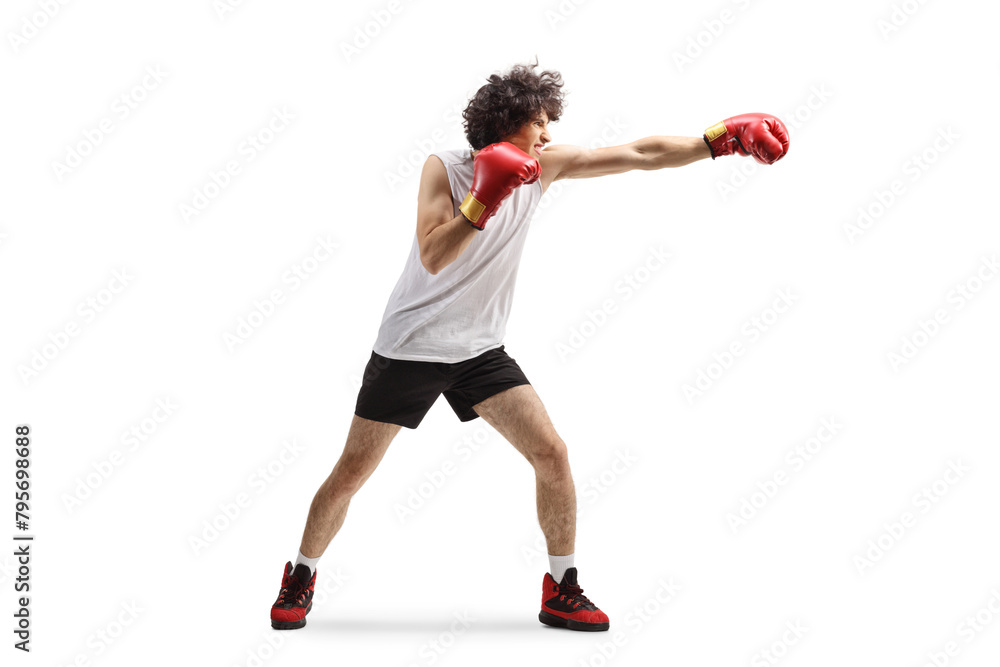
(499, 168)
(758, 134)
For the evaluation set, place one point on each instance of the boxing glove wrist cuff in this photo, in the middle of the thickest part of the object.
(473, 209)
(713, 133)
(709, 144)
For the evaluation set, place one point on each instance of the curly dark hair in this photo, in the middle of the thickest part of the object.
(507, 102)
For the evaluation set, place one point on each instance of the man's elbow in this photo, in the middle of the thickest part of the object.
(430, 264)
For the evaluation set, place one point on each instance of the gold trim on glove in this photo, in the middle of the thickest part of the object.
(715, 131)
(471, 208)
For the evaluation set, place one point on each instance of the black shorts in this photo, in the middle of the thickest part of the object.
(401, 392)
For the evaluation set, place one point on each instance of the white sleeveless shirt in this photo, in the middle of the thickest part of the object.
(462, 311)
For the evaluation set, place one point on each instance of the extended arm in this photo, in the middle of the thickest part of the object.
(762, 136)
(648, 154)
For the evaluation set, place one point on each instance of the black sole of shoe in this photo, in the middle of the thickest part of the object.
(291, 625)
(570, 624)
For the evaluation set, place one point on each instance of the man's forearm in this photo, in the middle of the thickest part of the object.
(660, 152)
(446, 242)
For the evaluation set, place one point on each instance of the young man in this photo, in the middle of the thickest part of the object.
(443, 328)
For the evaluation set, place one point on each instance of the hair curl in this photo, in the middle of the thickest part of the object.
(507, 102)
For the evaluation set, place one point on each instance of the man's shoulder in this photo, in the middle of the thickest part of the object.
(453, 155)
(558, 155)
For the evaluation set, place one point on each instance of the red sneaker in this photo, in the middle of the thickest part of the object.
(295, 599)
(565, 606)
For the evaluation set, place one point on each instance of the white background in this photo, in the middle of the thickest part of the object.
(861, 101)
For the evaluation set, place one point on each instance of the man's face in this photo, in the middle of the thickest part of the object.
(533, 135)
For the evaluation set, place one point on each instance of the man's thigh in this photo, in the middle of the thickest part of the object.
(473, 381)
(519, 416)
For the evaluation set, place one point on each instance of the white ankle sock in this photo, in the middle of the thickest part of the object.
(308, 562)
(559, 564)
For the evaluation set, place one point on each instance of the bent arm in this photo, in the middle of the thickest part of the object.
(441, 235)
(648, 153)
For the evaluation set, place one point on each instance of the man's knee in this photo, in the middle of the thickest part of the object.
(349, 475)
(550, 456)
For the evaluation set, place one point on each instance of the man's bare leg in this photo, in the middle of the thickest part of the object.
(367, 442)
(519, 416)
